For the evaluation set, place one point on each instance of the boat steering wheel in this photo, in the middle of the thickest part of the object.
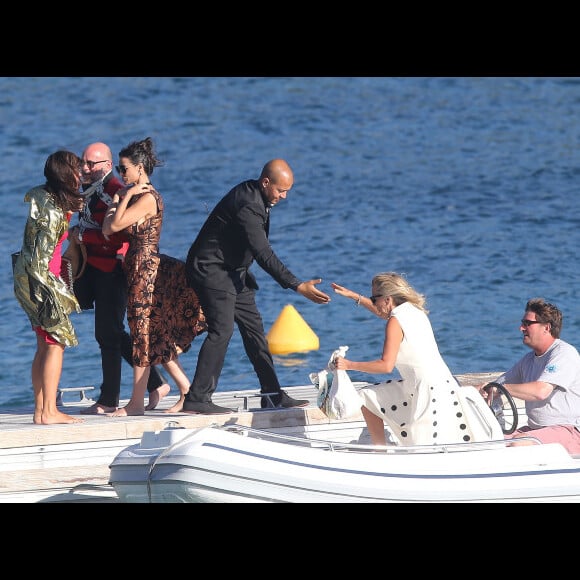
(498, 412)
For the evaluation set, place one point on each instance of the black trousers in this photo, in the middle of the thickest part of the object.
(106, 292)
(221, 311)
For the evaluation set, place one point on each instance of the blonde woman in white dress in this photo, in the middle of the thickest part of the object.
(427, 405)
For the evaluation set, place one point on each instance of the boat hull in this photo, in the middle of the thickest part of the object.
(220, 465)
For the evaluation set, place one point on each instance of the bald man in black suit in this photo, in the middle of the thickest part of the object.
(234, 236)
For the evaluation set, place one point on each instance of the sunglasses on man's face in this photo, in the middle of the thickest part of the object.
(528, 323)
(91, 164)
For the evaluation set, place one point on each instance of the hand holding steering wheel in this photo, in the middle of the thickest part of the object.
(498, 411)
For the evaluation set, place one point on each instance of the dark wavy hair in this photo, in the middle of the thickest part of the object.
(142, 152)
(62, 171)
(546, 313)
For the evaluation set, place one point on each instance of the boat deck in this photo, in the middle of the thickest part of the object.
(62, 463)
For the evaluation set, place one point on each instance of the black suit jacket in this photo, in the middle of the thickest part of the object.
(233, 236)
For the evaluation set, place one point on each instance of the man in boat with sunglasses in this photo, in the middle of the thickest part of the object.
(547, 379)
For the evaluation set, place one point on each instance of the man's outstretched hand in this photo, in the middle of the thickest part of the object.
(309, 290)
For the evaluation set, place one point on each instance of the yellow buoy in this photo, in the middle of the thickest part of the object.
(290, 333)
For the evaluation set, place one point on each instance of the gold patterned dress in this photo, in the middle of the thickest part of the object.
(41, 293)
(163, 313)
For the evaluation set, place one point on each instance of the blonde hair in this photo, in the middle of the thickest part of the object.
(396, 286)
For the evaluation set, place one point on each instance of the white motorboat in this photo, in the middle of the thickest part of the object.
(334, 462)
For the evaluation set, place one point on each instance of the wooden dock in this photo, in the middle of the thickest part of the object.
(70, 463)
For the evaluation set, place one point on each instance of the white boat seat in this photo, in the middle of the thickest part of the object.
(481, 419)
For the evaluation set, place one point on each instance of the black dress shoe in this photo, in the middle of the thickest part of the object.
(282, 401)
(205, 408)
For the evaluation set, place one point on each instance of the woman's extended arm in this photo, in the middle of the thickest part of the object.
(359, 299)
(386, 364)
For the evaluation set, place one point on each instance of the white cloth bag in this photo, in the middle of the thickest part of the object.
(337, 397)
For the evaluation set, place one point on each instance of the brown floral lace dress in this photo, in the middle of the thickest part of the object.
(163, 313)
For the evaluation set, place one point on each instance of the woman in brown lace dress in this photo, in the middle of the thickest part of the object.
(163, 313)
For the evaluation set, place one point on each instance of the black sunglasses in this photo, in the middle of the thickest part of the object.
(121, 169)
(91, 164)
(374, 298)
(527, 323)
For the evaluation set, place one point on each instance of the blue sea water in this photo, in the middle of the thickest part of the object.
(467, 185)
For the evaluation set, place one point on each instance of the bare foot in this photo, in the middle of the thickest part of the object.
(128, 411)
(156, 396)
(178, 407)
(57, 418)
(97, 409)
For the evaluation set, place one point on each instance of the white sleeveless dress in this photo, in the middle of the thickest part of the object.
(427, 406)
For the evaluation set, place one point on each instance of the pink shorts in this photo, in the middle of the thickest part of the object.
(566, 435)
(43, 334)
